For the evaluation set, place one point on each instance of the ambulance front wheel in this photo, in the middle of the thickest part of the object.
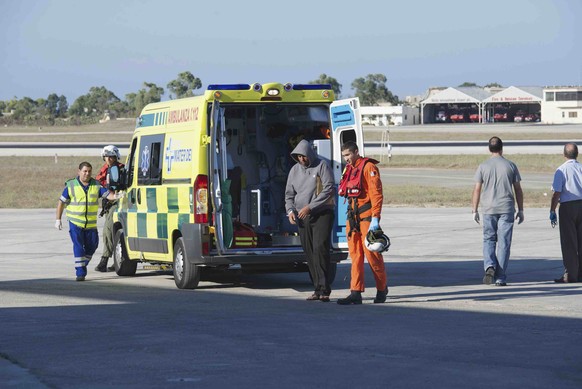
(186, 274)
(123, 265)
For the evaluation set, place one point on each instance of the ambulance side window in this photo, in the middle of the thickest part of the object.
(150, 162)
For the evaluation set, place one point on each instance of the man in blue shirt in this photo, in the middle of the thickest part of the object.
(567, 187)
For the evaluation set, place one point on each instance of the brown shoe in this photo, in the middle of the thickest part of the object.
(324, 299)
(314, 297)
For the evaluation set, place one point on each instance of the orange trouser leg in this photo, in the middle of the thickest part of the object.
(357, 250)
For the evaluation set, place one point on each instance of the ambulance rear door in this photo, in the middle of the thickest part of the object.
(217, 156)
(346, 125)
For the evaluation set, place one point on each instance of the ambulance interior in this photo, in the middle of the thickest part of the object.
(257, 142)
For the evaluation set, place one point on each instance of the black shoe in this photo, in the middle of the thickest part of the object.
(489, 277)
(111, 268)
(80, 278)
(102, 266)
(355, 297)
(381, 296)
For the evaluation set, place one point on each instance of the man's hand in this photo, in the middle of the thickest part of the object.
(553, 218)
(120, 195)
(476, 217)
(291, 217)
(58, 224)
(519, 217)
(374, 224)
(304, 212)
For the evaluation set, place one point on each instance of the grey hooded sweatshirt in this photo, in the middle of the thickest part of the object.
(302, 183)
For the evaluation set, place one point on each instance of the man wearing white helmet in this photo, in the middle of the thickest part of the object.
(111, 156)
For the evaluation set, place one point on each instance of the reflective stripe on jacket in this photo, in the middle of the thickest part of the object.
(82, 210)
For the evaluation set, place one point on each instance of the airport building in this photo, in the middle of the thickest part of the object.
(562, 105)
(387, 115)
(550, 105)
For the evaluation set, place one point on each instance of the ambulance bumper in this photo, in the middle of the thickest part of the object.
(192, 234)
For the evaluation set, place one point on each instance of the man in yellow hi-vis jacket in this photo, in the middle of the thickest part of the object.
(80, 198)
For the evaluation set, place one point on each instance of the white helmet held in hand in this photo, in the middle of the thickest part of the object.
(110, 151)
(377, 241)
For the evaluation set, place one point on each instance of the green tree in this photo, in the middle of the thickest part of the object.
(325, 79)
(150, 93)
(469, 84)
(62, 106)
(372, 90)
(184, 85)
(97, 101)
(493, 85)
(24, 108)
(52, 104)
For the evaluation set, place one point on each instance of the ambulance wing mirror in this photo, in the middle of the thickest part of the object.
(116, 178)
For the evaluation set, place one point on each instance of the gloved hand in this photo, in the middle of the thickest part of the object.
(476, 217)
(374, 224)
(120, 195)
(553, 218)
(58, 224)
(519, 217)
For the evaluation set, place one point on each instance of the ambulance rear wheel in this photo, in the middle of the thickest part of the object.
(123, 265)
(186, 274)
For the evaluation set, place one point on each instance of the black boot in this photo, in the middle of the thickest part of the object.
(381, 296)
(355, 297)
(102, 266)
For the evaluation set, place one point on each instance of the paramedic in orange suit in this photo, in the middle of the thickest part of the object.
(369, 202)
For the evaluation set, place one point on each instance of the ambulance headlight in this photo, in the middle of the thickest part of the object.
(273, 92)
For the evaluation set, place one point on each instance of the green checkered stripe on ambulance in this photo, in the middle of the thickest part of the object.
(167, 209)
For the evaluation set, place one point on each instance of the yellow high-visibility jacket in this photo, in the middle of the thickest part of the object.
(83, 208)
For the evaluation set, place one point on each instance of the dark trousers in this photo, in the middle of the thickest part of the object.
(315, 234)
(571, 238)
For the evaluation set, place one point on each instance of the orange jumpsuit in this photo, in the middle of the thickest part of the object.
(371, 193)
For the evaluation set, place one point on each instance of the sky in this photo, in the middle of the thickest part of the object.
(68, 46)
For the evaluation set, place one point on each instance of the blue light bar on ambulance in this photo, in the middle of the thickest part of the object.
(229, 87)
(311, 86)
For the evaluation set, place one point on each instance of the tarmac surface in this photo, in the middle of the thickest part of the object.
(441, 327)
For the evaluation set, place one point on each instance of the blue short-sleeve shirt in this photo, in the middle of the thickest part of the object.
(568, 181)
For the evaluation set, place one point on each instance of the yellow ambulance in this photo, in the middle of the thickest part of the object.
(206, 179)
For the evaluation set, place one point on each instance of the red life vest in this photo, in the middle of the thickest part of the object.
(351, 182)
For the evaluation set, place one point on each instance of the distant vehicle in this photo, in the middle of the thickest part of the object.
(500, 117)
(457, 117)
(519, 117)
(441, 117)
(532, 117)
(475, 118)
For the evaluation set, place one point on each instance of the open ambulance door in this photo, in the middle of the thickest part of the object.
(217, 169)
(346, 124)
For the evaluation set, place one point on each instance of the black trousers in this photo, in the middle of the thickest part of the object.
(315, 234)
(571, 238)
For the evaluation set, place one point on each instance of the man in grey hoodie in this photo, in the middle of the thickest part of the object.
(310, 203)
